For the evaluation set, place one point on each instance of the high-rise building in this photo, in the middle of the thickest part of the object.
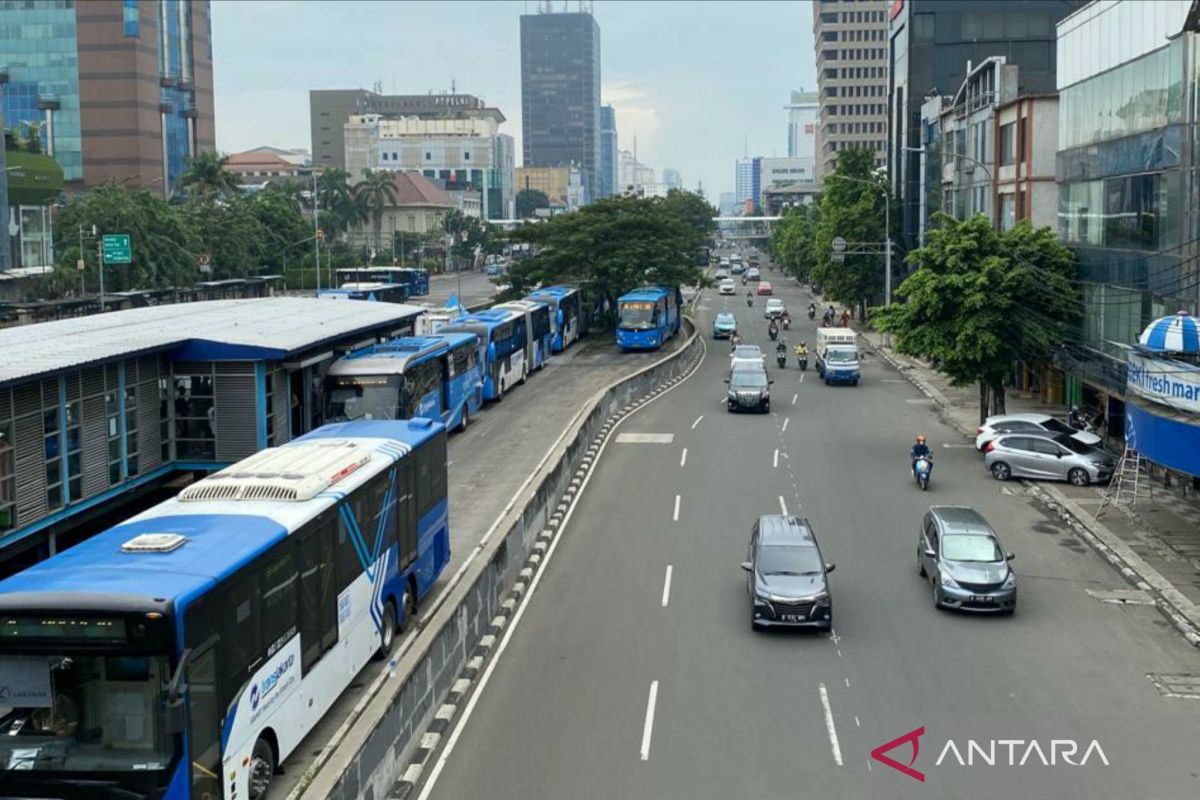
(747, 183)
(560, 93)
(802, 114)
(850, 38)
(934, 45)
(118, 89)
(727, 204)
(608, 151)
(672, 178)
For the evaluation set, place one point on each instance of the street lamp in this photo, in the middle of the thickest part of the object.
(887, 223)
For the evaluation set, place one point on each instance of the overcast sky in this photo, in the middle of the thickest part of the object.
(696, 82)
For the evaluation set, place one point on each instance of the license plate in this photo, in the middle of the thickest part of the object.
(980, 598)
(794, 618)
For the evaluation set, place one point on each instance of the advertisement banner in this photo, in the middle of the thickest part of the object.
(1171, 383)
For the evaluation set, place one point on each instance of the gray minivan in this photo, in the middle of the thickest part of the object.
(788, 579)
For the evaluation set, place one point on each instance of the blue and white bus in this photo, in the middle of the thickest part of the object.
(539, 333)
(416, 280)
(502, 336)
(185, 653)
(437, 377)
(567, 313)
(380, 292)
(648, 317)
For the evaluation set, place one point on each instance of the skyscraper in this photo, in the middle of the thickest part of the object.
(560, 93)
(672, 178)
(608, 151)
(118, 89)
(803, 112)
(852, 77)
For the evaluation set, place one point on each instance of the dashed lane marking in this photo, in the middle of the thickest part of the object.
(775, 459)
(666, 596)
(785, 422)
(697, 422)
(648, 725)
(782, 505)
(683, 457)
(645, 438)
(676, 515)
(830, 728)
(795, 397)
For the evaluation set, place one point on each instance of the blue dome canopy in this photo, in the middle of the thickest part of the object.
(1178, 333)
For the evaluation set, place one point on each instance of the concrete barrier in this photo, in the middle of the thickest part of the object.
(374, 751)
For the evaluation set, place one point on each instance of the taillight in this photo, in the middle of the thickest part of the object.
(989, 447)
(978, 431)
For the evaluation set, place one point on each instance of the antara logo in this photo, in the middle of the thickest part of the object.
(992, 752)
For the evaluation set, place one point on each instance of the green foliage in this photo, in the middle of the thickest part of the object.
(610, 247)
(479, 234)
(791, 243)
(206, 175)
(853, 205)
(979, 300)
(696, 212)
(529, 200)
(376, 192)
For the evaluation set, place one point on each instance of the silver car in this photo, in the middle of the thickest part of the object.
(1055, 457)
(960, 555)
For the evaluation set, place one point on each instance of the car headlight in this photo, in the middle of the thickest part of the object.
(820, 598)
(947, 581)
(1011, 581)
(733, 395)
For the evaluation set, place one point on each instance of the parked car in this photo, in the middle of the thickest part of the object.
(724, 326)
(749, 389)
(753, 274)
(747, 355)
(728, 286)
(1057, 456)
(960, 555)
(788, 579)
(774, 308)
(1027, 423)
(764, 287)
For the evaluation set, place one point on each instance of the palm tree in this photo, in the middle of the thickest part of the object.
(206, 173)
(377, 192)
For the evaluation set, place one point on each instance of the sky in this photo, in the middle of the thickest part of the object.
(698, 83)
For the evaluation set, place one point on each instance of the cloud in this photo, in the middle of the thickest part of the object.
(637, 115)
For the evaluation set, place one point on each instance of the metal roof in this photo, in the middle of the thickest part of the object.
(269, 328)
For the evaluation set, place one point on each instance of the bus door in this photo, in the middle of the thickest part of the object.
(204, 723)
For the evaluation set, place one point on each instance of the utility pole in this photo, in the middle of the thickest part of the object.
(82, 272)
(316, 230)
(100, 256)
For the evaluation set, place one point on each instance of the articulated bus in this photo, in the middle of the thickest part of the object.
(185, 653)
(417, 280)
(567, 313)
(437, 377)
(502, 336)
(648, 317)
(356, 290)
(539, 333)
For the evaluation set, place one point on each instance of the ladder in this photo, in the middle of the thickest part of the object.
(1127, 483)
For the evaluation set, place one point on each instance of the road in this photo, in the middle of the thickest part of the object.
(614, 684)
(476, 288)
(515, 433)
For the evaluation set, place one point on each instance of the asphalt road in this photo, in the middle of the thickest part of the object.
(476, 288)
(566, 711)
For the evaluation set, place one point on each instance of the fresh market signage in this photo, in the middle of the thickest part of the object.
(1171, 383)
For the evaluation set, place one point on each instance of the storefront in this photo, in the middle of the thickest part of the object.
(1162, 420)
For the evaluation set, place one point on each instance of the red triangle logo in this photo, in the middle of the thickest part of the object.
(912, 737)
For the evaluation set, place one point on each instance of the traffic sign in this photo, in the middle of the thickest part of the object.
(838, 258)
(838, 244)
(116, 248)
(204, 262)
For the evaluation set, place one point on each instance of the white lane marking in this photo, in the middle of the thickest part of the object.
(785, 422)
(795, 397)
(537, 578)
(775, 459)
(829, 726)
(857, 724)
(697, 422)
(666, 598)
(683, 457)
(676, 515)
(802, 377)
(847, 680)
(912, 401)
(645, 438)
(782, 505)
(648, 726)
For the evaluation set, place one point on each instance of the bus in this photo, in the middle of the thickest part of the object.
(648, 317)
(566, 303)
(501, 348)
(539, 334)
(355, 290)
(185, 653)
(437, 377)
(417, 280)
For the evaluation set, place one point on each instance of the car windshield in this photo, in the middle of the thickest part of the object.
(971, 547)
(363, 397)
(1057, 426)
(840, 356)
(747, 351)
(789, 560)
(85, 713)
(748, 379)
(1074, 445)
(638, 315)
(724, 319)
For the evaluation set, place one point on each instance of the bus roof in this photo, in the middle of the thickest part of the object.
(554, 291)
(219, 534)
(644, 294)
(523, 305)
(395, 355)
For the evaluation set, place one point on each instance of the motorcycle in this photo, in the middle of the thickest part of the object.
(749, 302)
(812, 313)
(803, 362)
(787, 323)
(922, 467)
(773, 333)
(781, 359)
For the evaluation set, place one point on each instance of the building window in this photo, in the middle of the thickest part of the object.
(74, 448)
(131, 431)
(1008, 212)
(164, 417)
(269, 393)
(195, 437)
(1022, 125)
(112, 412)
(8, 485)
(52, 444)
(428, 156)
(1007, 145)
(466, 156)
(129, 18)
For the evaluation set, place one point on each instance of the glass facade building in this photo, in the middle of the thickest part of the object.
(608, 151)
(560, 93)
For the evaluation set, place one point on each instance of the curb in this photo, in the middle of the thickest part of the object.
(1183, 614)
(431, 740)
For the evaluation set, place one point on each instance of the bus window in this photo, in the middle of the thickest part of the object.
(420, 381)
(408, 512)
(204, 724)
(279, 578)
(318, 600)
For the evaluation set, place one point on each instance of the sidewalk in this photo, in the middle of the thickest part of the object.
(1155, 545)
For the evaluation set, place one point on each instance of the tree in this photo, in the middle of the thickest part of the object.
(978, 301)
(609, 247)
(852, 207)
(206, 175)
(695, 211)
(377, 192)
(792, 240)
(530, 200)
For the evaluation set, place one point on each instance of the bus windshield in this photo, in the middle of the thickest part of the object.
(85, 713)
(363, 397)
(638, 315)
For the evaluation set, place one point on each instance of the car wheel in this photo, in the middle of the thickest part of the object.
(1078, 477)
(937, 595)
(1000, 471)
(465, 420)
(262, 769)
(921, 566)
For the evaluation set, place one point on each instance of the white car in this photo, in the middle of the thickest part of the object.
(774, 309)
(998, 424)
(752, 274)
(728, 286)
(746, 354)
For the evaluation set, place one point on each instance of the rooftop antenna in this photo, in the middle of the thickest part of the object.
(453, 86)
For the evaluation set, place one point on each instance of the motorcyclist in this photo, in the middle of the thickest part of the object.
(782, 345)
(919, 450)
(773, 329)
(1074, 418)
(801, 350)
(812, 310)
(749, 299)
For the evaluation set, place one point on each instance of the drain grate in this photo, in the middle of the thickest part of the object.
(1182, 686)
(1131, 597)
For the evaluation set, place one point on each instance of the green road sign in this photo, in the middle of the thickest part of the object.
(116, 248)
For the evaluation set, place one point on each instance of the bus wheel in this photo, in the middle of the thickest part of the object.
(387, 632)
(499, 388)
(262, 769)
(465, 419)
